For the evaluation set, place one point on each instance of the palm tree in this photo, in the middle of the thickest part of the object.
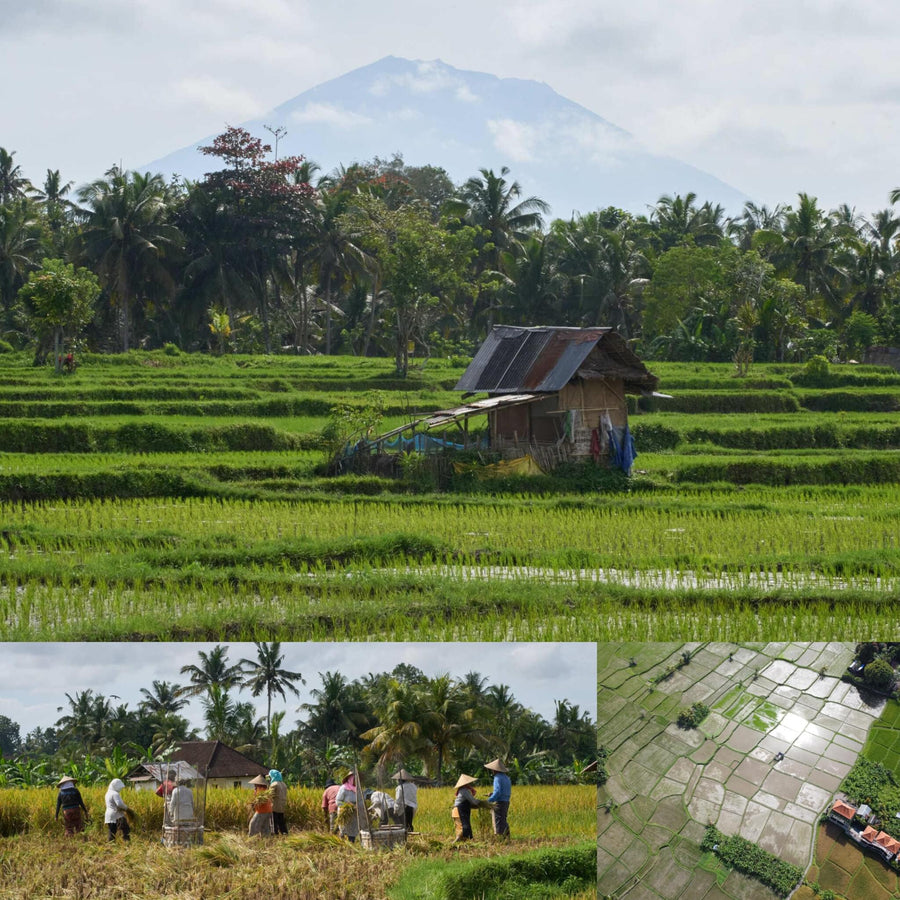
(127, 238)
(20, 248)
(213, 672)
(448, 723)
(265, 673)
(53, 199)
(13, 184)
(676, 218)
(163, 698)
(810, 247)
(493, 205)
(219, 711)
(399, 733)
(755, 218)
(338, 712)
(87, 720)
(334, 249)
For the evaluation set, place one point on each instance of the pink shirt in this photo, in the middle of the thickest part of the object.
(329, 804)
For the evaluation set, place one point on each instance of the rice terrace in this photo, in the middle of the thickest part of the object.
(163, 495)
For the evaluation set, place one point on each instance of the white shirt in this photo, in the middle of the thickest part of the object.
(381, 803)
(115, 807)
(407, 794)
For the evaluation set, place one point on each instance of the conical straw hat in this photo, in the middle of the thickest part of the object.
(464, 780)
(260, 779)
(64, 779)
(402, 775)
(496, 766)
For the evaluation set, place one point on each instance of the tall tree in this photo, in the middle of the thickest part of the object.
(163, 697)
(13, 184)
(448, 723)
(128, 240)
(59, 303)
(20, 248)
(811, 243)
(267, 674)
(494, 205)
(338, 712)
(677, 218)
(213, 671)
(264, 206)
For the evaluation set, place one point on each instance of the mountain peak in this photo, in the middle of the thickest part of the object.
(435, 114)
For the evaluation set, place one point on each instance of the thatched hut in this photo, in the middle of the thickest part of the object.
(557, 393)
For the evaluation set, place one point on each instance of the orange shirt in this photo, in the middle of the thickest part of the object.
(262, 804)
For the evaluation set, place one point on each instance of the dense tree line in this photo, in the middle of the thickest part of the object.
(383, 258)
(431, 726)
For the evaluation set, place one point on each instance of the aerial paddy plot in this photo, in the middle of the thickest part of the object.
(779, 734)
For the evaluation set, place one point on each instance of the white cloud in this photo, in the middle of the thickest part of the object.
(213, 96)
(516, 140)
(428, 78)
(329, 114)
(570, 136)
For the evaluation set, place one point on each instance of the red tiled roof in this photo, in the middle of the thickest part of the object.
(844, 809)
(885, 840)
(869, 834)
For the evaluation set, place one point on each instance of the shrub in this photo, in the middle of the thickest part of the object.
(879, 674)
(746, 857)
(171, 350)
(6, 347)
(691, 718)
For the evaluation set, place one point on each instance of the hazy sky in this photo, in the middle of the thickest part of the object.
(771, 96)
(35, 678)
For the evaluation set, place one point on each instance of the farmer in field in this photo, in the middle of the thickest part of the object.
(261, 805)
(181, 803)
(348, 824)
(73, 809)
(116, 809)
(407, 797)
(500, 796)
(463, 804)
(167, 786)
(382, 805)
(279, 801)
(329, 803)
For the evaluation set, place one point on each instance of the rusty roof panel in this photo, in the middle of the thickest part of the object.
(528, 359)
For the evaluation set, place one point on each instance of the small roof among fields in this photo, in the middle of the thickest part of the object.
(218, 760)
(515, 360)
(844, 809)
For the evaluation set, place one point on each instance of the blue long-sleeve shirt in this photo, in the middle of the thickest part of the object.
(502, 788)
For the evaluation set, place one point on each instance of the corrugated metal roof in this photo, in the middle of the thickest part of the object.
(477, 407)
(512, 359)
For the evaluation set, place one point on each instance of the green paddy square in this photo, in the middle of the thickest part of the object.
(864, 884)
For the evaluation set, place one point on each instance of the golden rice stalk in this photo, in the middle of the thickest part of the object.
(222, 854)
(316, 839)
(345, 814)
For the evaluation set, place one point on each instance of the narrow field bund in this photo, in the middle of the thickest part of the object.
(185, 491)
